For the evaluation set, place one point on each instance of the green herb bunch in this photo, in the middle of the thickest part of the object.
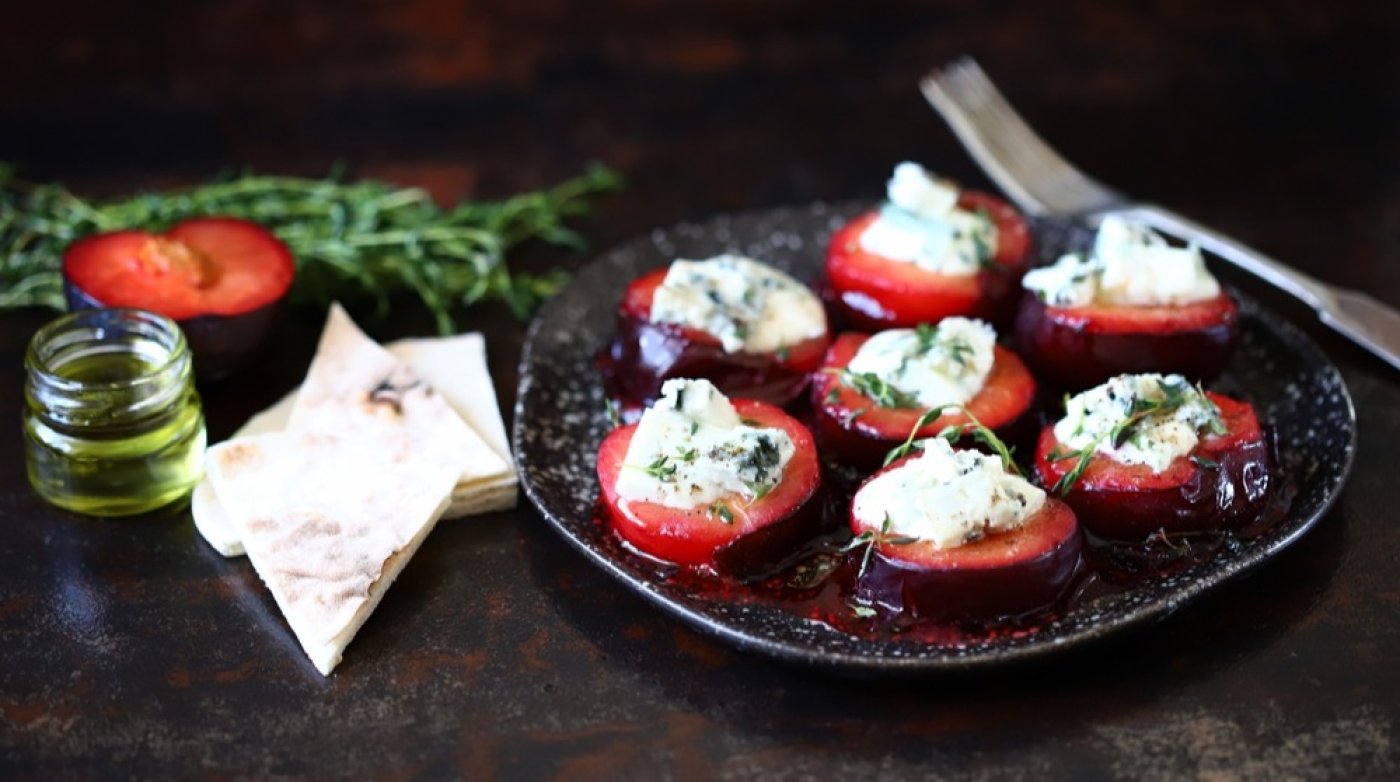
(350, 238)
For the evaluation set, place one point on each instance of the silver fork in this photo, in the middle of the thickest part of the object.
(1043, 183)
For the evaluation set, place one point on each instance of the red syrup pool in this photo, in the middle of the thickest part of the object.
(819, 581)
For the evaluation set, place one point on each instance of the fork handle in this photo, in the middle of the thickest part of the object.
(1362, 319)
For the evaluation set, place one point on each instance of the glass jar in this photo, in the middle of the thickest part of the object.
(112, 422)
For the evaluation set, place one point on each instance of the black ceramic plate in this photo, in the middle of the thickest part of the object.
(560, 419)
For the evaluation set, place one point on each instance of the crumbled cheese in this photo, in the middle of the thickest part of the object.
(1131, 265)
(947, 497)
(691, 449)
(935, 365)
(1157, 439)
(923, 226)
(746, 305)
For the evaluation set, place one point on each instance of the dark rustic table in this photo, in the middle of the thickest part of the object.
(130, 649)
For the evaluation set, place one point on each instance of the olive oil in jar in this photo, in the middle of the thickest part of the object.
(112, 422)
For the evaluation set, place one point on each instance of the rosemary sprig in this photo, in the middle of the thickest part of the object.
(350, 238)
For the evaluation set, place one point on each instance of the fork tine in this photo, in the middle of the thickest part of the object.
(1013, 155)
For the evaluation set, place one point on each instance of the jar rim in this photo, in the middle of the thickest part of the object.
(168, 334)
(82, 402)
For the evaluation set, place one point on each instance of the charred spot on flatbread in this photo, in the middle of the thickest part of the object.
(391, 394)
(240, 456)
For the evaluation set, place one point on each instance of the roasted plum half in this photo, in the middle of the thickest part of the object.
(856, 431)
(1223, 483)
(220, 278)
(645, 354)
(734, 537)
(873, 292)
(1078, 347)
(1004, 575)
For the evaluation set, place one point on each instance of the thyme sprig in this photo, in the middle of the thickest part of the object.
(877, 389)
(953, 432)
(350, 239)
(1174, 396)
(870, 538)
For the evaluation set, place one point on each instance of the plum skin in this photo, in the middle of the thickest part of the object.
(221, 344)
(1062, 349)
(1230, 495)
(955, 591)
(644, 355)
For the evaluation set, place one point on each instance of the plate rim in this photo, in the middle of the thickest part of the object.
(790, 651)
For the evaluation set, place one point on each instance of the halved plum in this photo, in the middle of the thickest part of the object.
(644, 355)
(1079, 347)
(220, 278)
(733, 537)
(1003, 575)
(874, 292)
(857, 432)
(1222, 484)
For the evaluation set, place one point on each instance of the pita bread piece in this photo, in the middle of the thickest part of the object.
(453, 366)
(355, 384)
(329, 522)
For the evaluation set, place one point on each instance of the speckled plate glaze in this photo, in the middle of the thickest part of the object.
(560, 419)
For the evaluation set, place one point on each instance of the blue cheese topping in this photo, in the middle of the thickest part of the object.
(748, 306)
(922, 225)
(947, 497)
(1158, 418)
(1131, 265)
(691, 449)
(945, 364)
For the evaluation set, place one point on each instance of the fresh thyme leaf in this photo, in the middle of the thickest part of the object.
(987, 437)
(1067, 481)
(858, 541)
(661, 469)
(869, 552)
(984, 250)
(833, 395)
(874, 388)
(759, 490)
(929, 416)
(926, 334)
(350, 239)
(614, 413)
(1204, 463)
(952, 433)
(862, 612)
(960, 351)
(687, 455)
(720, 511)
(870, 538)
